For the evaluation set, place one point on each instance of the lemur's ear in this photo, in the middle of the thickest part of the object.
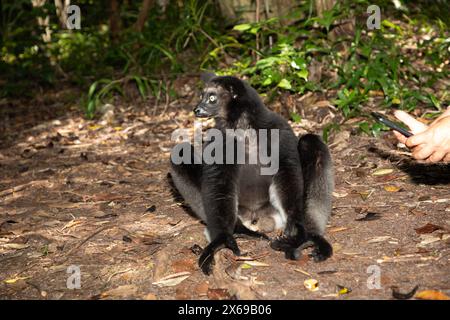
(207, 76)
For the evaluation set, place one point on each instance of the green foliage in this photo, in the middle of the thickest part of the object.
(104, 89)
(281, 66)
(23, 63)
(370, 65)
(328, 129)
(397, 66)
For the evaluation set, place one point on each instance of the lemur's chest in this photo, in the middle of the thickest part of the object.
(253, 187)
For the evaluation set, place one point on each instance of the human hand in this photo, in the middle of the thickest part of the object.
(429, 143)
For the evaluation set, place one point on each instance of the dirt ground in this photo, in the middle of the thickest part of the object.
(95, 195)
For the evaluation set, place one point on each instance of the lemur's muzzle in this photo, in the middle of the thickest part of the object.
(201, 112)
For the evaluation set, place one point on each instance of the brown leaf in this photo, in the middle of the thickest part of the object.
(184, 265)
(122, 291)
(202, 289)
(150, 296)
(337, 229)
(424, 198)
(361, 172)
(218, 294)
(161, 263)
(386, 178)
(431, 295)
(182, 293)
(108, 197)
(365, 194)
(428, 228)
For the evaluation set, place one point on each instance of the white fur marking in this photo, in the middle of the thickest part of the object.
(207, 235)
(279, 222)
(280, 218)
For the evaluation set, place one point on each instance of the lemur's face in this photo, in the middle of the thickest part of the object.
(214, 100)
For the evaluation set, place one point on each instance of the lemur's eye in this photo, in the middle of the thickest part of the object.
(212, 98)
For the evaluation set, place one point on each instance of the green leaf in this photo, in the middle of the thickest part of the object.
(364, 127)
(328, 129)
(267, 82)
(140, 85)
(435, 102)
(389, 24)
(242, 27)
(296, 117)
(303, 74)
(285, 84)
(92, 89)
(254, 30)
(266, 62)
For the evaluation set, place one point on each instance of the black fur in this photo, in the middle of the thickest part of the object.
(301, 188)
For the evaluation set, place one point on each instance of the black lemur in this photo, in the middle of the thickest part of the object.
(297, 197)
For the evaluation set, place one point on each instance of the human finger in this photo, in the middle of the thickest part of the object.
(415, 125)
(400, 137)
(447, 157)
(436, 156)
(422, 153)
(417, 139)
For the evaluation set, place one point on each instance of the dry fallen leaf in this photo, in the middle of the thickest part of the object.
(172, 280)
(431, 295)
(150, 296)
(184, 265)
(304, 272)
(336, 229)
(428, 228)
(182, 293)
(392, 188)
(257, 264)
(202, 289)
(382, 172)
(427, 239)
(16, 246)
(218, 294)
(311, 284)
(122, 291)
(340, 194)
(379, 239)
(14, 280)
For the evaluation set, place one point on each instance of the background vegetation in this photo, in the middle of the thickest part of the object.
(148, 44)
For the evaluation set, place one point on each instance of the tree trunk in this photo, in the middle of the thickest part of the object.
(143, 15)
(115, 24)
(61, 11)
(43, 22)
(247, 10)
(324, 5)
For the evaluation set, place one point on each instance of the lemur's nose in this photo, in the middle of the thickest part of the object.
(200, 112)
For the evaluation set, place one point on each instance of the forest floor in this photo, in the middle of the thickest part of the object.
(95, 195)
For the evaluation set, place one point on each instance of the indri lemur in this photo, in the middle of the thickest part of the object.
(297, 197)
